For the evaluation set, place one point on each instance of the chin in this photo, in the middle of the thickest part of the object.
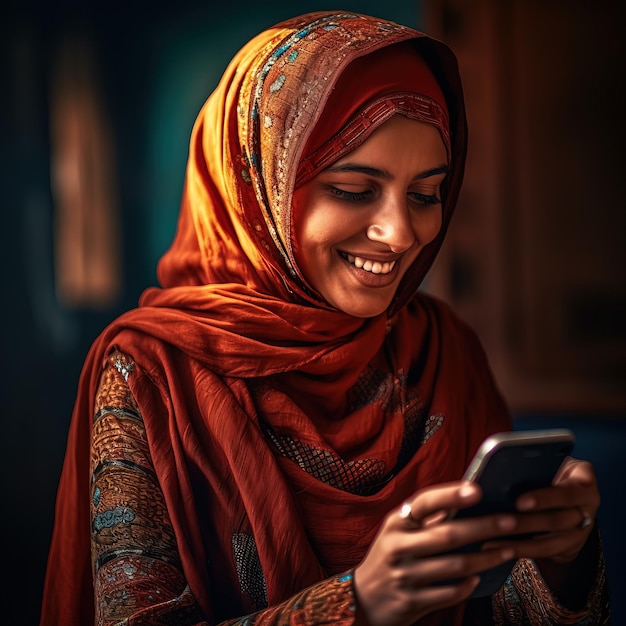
(365, 311)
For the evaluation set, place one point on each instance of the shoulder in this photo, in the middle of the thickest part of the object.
(113, 388)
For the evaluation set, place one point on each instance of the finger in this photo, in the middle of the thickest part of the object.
(454, 534)
(559, 535)
(441, 596)
(451, 535)
(430, 503)
(574, 485)
(571, 519)
(563, 546)
(586, 499)
(575, 470)
(445, 568)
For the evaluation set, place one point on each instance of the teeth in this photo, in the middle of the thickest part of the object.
(375, 267)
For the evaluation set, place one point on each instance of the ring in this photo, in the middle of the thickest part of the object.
(405, 512)
(586, 520)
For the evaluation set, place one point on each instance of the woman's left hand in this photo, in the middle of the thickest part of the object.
(563, 514)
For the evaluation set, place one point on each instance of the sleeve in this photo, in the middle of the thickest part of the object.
(525, 599)
(138, 578)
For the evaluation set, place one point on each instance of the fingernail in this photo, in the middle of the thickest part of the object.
(507, 554)
(526, 503)
(467, 490)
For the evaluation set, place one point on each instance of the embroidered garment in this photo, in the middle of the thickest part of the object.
(278, 431)
(137, 570)
(136, 561)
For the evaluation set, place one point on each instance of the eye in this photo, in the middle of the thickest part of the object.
(351, 196)
(421, 198)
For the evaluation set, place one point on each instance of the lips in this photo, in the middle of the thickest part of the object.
(370, 265)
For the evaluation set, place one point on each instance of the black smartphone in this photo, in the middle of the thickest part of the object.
(505, 466)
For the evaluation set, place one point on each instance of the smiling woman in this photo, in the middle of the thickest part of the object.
(362, 222)
(274, 436)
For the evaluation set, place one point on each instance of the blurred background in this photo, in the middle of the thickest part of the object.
(98, 101)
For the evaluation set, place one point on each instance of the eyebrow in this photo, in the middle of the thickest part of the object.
(375, 172)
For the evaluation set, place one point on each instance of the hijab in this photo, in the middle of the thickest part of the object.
(239, 363)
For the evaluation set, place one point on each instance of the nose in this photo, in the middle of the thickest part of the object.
(391, 225)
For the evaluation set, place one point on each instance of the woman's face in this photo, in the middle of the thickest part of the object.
(362, 222)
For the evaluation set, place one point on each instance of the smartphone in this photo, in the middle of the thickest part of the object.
(505, 466)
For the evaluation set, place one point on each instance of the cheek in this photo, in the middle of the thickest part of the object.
(316, 225)
(299, 225)
(427, 225)
(310, 234)
(316, 257)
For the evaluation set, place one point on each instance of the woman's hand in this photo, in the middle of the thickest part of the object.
(561, 518)
(565, 511)
(407, 571)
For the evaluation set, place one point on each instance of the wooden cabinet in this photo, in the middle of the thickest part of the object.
(536, 256)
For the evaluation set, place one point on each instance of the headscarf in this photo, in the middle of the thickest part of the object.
(237, 359)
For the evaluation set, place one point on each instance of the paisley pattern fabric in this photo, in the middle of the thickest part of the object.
(525, 600)
(134, 556)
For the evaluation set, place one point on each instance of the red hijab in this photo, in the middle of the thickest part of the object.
(236, 355)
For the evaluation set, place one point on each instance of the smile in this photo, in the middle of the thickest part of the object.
(374, 267)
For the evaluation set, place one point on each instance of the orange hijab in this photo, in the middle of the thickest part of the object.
(239, 360)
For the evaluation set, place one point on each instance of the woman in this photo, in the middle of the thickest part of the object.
(258, 423)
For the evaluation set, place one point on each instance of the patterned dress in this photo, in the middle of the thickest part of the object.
(138, 575)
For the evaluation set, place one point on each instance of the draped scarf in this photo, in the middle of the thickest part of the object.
(237, 359)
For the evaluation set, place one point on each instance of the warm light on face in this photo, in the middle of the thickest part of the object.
(362, 222)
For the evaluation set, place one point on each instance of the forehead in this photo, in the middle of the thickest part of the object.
(401, 141)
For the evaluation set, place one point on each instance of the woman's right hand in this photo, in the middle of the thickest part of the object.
(406, 572)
